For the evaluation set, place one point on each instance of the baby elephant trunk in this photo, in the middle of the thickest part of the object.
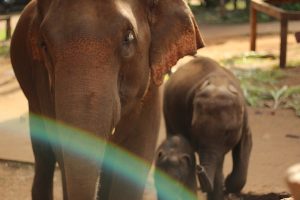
(207, 170)
(205, 182)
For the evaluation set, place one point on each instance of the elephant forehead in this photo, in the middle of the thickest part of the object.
(88, 18)
(126, 11)
(85, 46)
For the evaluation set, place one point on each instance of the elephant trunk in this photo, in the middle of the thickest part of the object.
(204, 180)
(86, 91)
(94, 110)
(206, 171)
(86, 97)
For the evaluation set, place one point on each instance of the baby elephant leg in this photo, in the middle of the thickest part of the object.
(218, 192)
(240, 155)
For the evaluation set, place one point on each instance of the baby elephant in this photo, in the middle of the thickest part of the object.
(204, 102)
(176, 158)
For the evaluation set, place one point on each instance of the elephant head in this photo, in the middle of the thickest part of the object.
(104, 55)
(90, 63)
(175, 157)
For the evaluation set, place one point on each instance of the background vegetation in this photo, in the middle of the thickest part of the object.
(210, 11)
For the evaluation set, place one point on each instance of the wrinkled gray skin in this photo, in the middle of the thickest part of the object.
(204, 102)
(96, 66)
(176, 158)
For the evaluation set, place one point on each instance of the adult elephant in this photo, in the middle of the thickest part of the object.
(97, 65)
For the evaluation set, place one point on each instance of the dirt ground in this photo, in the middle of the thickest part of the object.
(276, 136)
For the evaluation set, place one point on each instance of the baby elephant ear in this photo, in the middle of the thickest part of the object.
(174, 34)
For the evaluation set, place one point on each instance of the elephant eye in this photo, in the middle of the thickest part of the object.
(128, 46)
(129, 37)
(160, 154)
(43, 46)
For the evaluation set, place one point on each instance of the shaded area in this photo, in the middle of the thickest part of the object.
(270, 196)
(16, 180)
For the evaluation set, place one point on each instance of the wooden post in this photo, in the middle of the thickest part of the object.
(297, 35)
(283, 41)
(8, 28)
(253, 26)
(222, 8)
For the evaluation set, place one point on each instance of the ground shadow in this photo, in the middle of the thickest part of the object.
(269, 196)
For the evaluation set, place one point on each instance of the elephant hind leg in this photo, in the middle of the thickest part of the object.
(241, 154)
(42, 187)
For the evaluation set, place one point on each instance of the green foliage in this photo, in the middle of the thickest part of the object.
(293, 63)
(290, 6)
(212, 15)
(248, 59)
(2, 35)
(254, 84)
(211, 3)
(4, 46)
(262, 87)
(229, 4)
(4, 50)
(209, 12)
(278, 95)
(240, 4)
(253, 94)
(294, 104)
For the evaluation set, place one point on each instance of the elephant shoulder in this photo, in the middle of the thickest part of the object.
(21, 49)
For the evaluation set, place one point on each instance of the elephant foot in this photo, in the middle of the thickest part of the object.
(234, 184)
(206, 185)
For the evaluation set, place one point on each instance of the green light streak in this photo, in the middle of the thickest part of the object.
(123, 161)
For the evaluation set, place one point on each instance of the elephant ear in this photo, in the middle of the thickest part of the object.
(174, 34)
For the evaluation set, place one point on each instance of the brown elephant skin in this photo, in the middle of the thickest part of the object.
(97, 66)
(175, 157)
(204, 102)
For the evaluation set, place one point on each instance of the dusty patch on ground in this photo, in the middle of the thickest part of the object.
(16, 179)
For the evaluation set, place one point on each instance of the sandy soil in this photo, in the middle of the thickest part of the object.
(276, 136)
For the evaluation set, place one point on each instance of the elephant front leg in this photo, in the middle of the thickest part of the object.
(106, 174)
(240, 155)
(123, 175)
(210, 174)
(130, 170)
(81, 158)
(218, 193)
(42, 187)
(128, 161)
